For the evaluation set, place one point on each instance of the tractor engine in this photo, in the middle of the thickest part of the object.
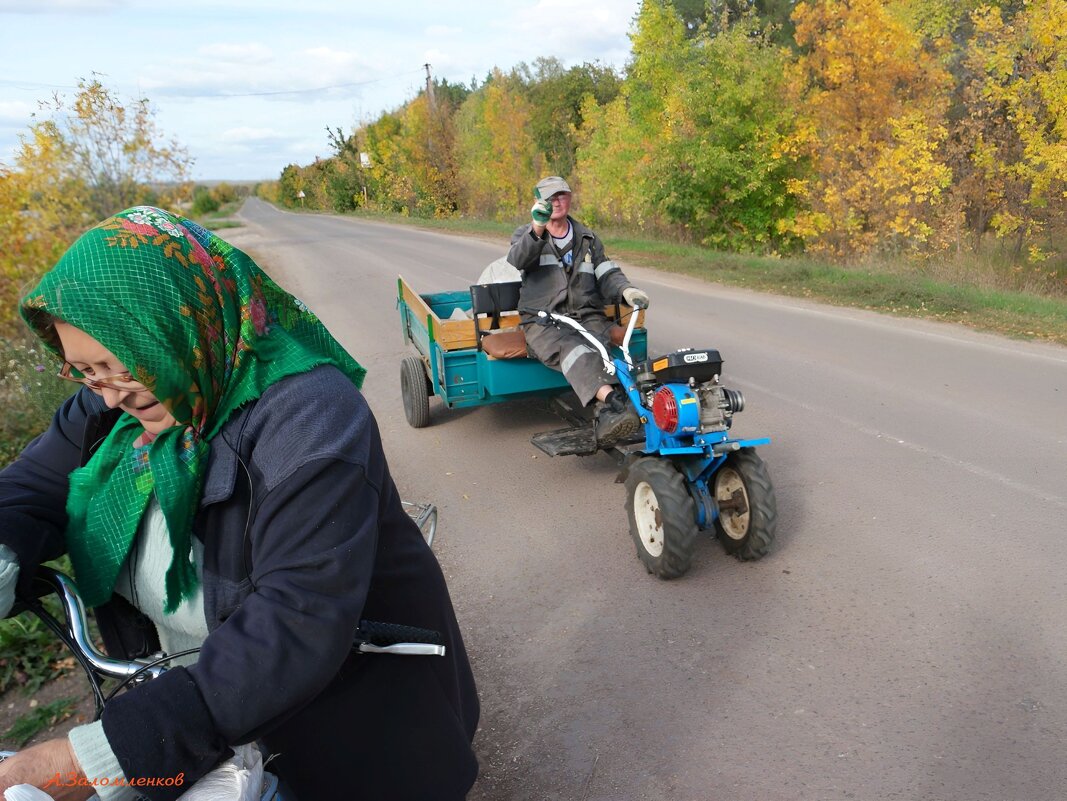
(683, 391)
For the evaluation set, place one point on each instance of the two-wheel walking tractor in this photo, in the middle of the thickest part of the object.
(684, 472)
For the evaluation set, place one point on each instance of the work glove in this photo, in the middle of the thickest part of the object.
(541, 211)
(635, 297)
(9, 574)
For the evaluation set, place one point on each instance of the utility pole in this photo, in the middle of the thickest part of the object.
(433, 113)
(429, 89)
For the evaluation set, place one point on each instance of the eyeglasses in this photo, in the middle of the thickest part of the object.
(123, 382)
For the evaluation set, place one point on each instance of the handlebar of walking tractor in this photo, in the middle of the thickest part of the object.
(551, 318)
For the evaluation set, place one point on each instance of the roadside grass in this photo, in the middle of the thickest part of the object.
(31, 656)
(29, 393)
(222, 217)
(903, 290)
(28, 726)
(984, 293)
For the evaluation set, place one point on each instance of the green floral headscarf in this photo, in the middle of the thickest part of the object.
(197, 322)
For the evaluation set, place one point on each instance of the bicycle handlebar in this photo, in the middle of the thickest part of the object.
(77, 625)
(371, 637)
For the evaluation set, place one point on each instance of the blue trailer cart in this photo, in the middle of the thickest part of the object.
(467, 360)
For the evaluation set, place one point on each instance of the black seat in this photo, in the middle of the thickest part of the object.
(493, 300)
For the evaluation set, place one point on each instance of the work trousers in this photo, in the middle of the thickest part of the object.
(566, 350)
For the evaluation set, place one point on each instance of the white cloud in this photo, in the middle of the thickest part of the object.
(244, 135)
(317, 147)
(60, 6)
(443, 30)
(234, 53)
(336, 58)
(303, 75)
(558, 28)
(15, 113)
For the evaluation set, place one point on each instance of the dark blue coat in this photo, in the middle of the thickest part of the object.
(304, 534)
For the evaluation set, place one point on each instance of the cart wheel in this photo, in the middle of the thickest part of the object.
(662, 517)
(413, 390)
(748, 511)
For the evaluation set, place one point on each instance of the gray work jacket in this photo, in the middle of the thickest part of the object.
(588, 284)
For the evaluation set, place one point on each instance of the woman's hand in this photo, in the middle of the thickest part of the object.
(51, 766)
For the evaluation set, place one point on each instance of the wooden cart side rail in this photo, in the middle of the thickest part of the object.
(418, 306)
(459, 334)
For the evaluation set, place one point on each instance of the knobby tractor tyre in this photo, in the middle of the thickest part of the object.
(748, 511)
(414, 392)
(662, 517)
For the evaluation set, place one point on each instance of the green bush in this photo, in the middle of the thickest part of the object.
(29, 394)
(224, 193)
(30, 653)
(38, 720)
(204, 202)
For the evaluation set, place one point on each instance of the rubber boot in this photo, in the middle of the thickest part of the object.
(615, 420)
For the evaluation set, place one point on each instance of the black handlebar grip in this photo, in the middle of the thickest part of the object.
(385, 634)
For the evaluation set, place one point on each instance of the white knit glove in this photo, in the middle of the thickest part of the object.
(9, 576)
(635, 297)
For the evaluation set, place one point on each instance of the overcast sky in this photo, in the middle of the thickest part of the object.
(249, 86)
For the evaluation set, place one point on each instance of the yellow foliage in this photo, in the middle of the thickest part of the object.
(92, 158)
(1013, 140)
(497, 158)
(873, 114)
(42, 210)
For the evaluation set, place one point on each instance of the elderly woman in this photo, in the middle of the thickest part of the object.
(220, 475)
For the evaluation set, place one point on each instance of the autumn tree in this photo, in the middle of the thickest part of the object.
(618, 157)
(427, 148)
(556, 95)
(944, 24)
(696, 137)
(381, 140)
(1009, 147)
(497, 158)
(344, 173)
(724, 168)
(42, 210)
(872, 122)
(116, 149)
(771, 18)
(404, 160)
(79, 162)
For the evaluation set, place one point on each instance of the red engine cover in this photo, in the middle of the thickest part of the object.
(665, 410)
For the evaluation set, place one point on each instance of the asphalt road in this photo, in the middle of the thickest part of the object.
(903, 640)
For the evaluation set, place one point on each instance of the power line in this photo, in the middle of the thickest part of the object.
(31, 86)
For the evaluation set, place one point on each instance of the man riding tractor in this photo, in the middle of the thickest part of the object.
(564, 270)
